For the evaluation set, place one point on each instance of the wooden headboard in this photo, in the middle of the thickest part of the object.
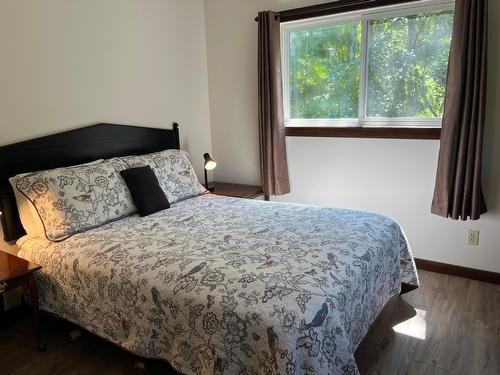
(82, 145)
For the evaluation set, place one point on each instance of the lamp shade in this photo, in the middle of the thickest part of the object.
(209, 162)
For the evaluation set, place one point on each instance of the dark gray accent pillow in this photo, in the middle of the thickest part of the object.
(145, 190)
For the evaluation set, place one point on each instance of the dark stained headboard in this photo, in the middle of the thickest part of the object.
(82, 145)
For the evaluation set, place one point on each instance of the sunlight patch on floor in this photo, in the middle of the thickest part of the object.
(414, 327)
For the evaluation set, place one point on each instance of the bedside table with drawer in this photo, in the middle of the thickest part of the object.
(236, 190)
(15, 272)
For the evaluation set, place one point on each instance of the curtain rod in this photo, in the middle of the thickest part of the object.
(333, 7)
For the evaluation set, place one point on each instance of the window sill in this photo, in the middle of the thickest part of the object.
(364, 132)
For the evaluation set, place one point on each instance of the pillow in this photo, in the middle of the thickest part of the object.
(27, 212)
(174, 171)
(72, 200)
(146, 192)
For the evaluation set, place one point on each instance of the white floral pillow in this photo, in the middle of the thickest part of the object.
(27, 212)
(174, 171)
(72, 200)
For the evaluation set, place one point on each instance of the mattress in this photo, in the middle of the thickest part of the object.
(225, 285)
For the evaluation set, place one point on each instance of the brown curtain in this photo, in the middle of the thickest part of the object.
(273, 164)
(458, 192)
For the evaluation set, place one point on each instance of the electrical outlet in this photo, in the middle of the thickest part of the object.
(473, 237)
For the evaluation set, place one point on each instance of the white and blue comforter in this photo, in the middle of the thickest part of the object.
(224, 285)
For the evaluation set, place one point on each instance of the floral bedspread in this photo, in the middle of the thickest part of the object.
(230, 286)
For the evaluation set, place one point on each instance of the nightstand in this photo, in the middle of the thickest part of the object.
(15, 272)
(236, 190)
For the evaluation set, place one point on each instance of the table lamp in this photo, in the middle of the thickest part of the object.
(210, 165)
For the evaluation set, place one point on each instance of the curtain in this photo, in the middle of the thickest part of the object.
(273, 163)
(458, 192)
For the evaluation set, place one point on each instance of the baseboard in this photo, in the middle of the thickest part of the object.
(450, 269)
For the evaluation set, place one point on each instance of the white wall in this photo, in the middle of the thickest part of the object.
(65, 64)
(392, 177)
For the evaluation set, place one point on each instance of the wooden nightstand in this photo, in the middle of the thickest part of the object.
(14, 272)
(236, 190)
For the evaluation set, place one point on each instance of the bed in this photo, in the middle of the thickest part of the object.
(225, 285)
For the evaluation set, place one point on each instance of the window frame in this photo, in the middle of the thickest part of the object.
(364, 16)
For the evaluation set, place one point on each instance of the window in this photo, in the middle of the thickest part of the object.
(382, 67)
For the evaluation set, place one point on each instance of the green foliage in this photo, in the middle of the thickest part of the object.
(407, 65)
(406, 68)
(324, 71)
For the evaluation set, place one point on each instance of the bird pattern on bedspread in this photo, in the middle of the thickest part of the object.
(230, 286)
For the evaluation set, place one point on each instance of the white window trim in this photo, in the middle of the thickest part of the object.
(364, 16)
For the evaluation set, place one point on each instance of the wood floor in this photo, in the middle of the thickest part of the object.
(449, 325)
(456, 322)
